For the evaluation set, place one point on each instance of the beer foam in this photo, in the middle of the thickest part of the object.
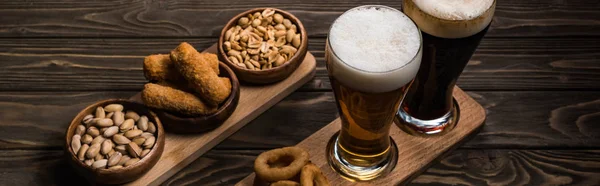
(450, 18)
(454, 9)
(375, 48)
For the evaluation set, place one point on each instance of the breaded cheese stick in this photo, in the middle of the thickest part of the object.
(159, 67)
(194, 67)
(162, 96)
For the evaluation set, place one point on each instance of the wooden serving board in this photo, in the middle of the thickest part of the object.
(182, 149)
(415, 153)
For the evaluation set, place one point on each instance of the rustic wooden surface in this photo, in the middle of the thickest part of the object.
(414, 153)
(537, 74)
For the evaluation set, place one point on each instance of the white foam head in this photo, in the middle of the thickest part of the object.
(450, 18)
(374, 48)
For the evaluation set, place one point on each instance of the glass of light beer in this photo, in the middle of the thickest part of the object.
(451, 31)
(372, 53)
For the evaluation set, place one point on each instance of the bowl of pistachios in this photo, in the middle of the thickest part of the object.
(114, 141)
(263, 45)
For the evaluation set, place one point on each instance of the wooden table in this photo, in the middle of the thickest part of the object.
(537, 73)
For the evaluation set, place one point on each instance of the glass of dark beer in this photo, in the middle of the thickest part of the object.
(372, 54)
(451, 31)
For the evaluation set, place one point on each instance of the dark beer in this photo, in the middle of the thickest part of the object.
(451, 33)
(372, 56)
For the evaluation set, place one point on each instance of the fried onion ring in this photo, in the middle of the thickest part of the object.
(312, 175)
(285, 183)
(280, 164)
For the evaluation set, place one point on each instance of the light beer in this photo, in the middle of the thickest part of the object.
(451, 32)
(372, 55)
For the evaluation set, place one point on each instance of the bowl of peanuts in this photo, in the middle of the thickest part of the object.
(114, 141)
(263, 45)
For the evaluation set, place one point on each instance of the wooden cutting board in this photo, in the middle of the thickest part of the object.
(415, 153)
(180, 150)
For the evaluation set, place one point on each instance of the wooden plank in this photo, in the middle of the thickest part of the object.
(181, 149)
(461, 167)
(514, 18)
(529, 119)
(115, 64)
(227, 167)
(415, 153)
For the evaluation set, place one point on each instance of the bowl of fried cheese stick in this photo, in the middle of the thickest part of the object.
(191, 92)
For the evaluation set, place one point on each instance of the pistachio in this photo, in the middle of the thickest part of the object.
(98, 157)
(118, 118)
(110, 131)
(142, 124)
(151, 127)
(93, 151)
(104, 122)
(147, 135)
(149, 143)
(144, 153)
(87, 119)
(139, 140)
(80, 130)
(115, 167)
(121, 149)
(98, 140)
(127, 125)
(100, 112)
(132, 115)
(93, 131)
(133, 149)
(124, 159)
(87, 139)
(114, 159)
(110, 114)
(100, 164)
(76, 143)
(89, 162)
(133, 133)
(131, 162)
(106, 147)
(82, 151)
(120, 139)
(111, 152)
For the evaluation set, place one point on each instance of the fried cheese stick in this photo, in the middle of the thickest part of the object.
(195, 68)
(159, 67)
(166, 97)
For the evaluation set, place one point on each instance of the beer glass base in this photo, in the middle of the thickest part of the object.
(418, 127)
(360, 173)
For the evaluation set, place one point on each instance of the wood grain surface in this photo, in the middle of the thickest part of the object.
(530, 119)
(415, 153)
(461, 167)
(148, 18)
(115, 64)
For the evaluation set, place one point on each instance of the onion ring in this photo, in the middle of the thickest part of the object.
(280, 164)
(312, 175)
(285, 183)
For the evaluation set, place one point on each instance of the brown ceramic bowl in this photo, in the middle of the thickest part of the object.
(177, 123)
(270, 75)
(125, 174)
